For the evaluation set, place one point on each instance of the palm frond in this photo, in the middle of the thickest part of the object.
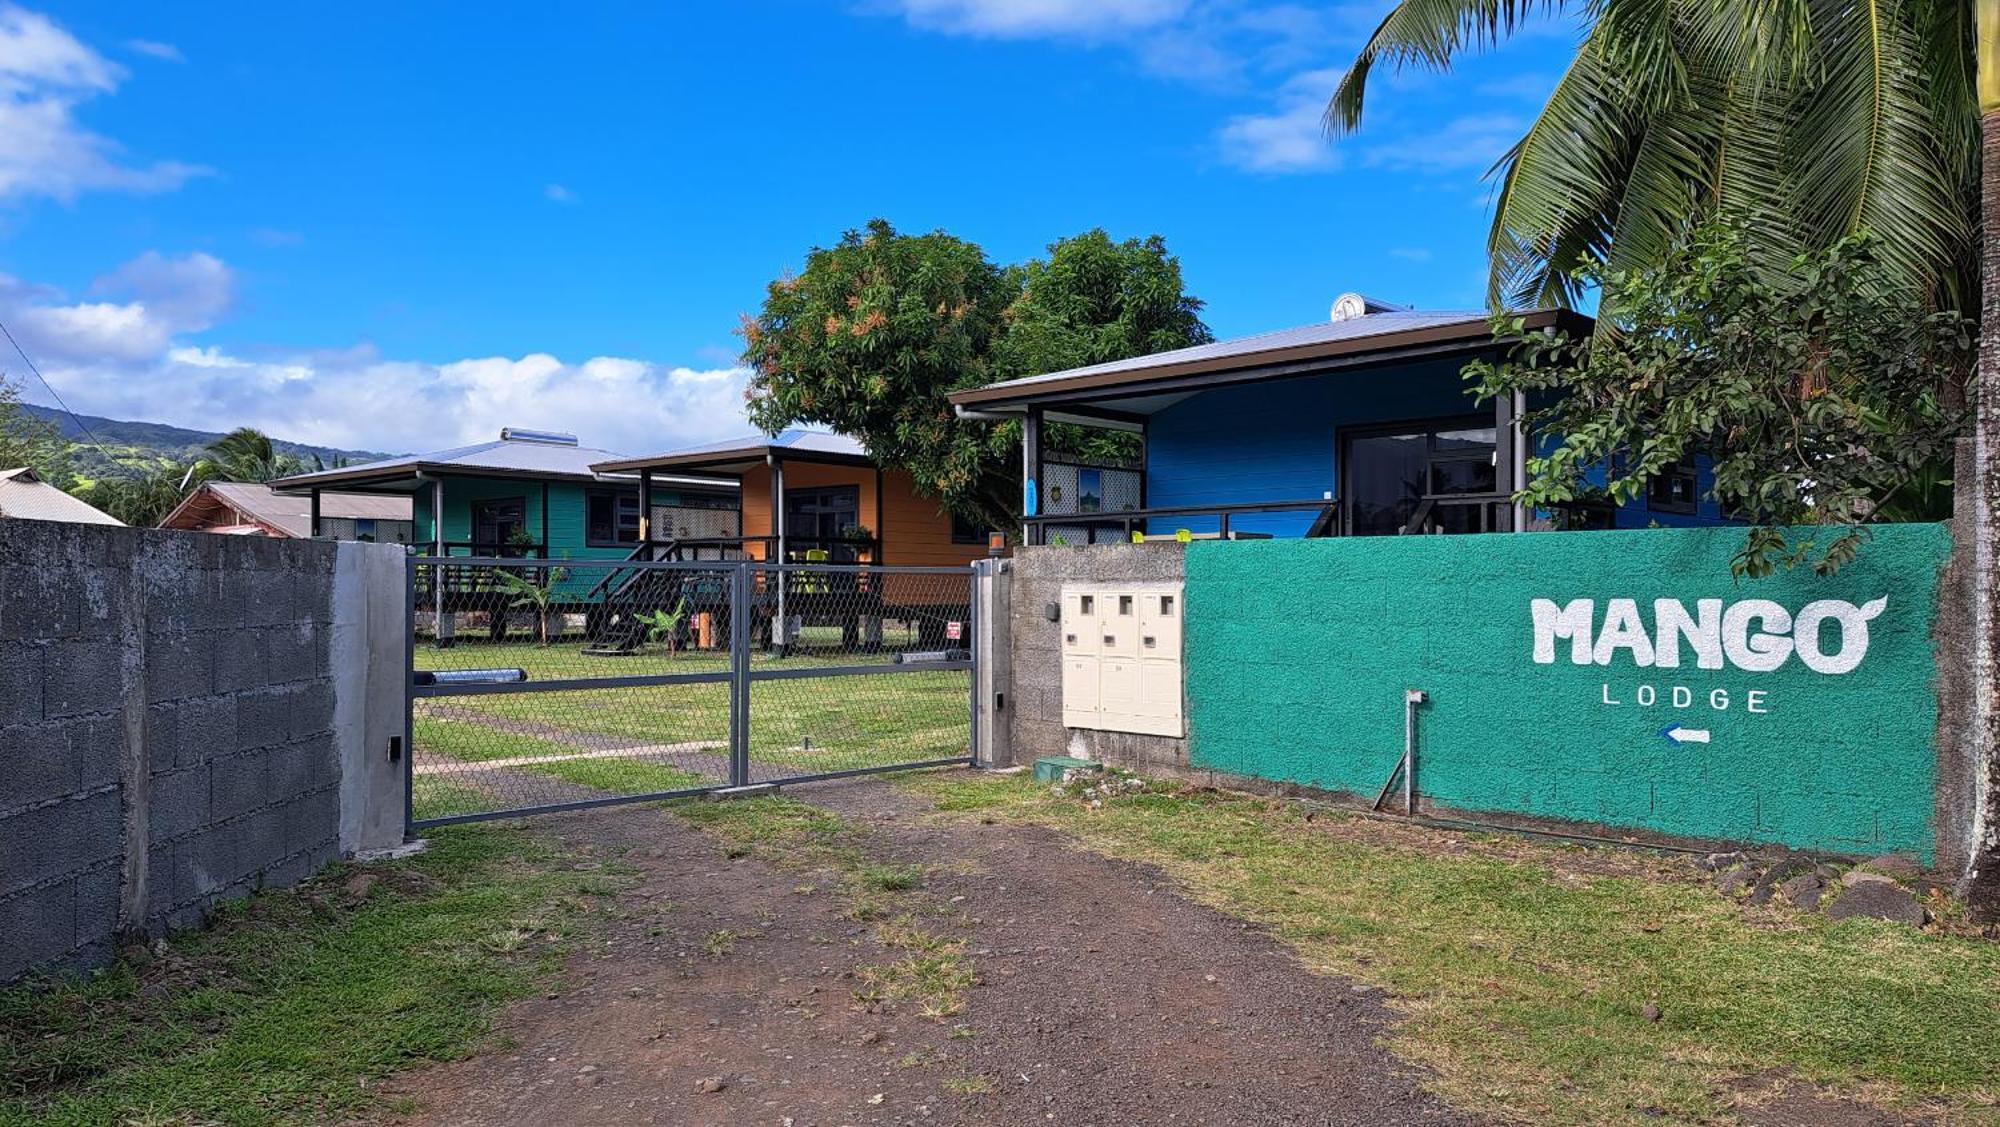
(1429, 33)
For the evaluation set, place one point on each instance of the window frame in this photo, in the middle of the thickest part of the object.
(616, 497)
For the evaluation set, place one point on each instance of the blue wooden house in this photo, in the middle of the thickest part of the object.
(1360, 425)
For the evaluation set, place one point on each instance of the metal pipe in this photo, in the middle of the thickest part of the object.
(1411, 699)
(1520, 459)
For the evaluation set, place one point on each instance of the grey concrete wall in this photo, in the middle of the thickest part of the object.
(166, 730)
(1036, 725)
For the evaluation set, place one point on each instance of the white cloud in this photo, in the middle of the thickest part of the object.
(45, 72)
(1023, 19)
(154, 49)
(556, 193)
(1291, 137)
(1474, 141)
(133, 358)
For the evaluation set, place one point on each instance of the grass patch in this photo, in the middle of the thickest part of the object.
(1523, 978)
(470, 741)
(435, 797)
(291, 1002)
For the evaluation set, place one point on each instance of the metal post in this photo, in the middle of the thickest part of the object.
(409, 698)
(315, 514)
(1411, 699)
(780, 626)
(739, 665)
(1031, 474)
(973, 645)
(437, 569)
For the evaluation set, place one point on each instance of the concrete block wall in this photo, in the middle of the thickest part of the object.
(167, 734)
(1036, 726)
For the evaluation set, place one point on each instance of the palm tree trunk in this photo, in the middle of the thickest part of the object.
(1981, 887)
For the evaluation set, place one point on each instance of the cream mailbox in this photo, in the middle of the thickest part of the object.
(1121, 655)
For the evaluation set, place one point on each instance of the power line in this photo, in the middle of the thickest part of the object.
(57, 396)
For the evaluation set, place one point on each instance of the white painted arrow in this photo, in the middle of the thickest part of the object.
(1677, 735)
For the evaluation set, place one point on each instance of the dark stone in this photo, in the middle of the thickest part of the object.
(1737, 879)
(1897, 865)
(1650, 1011)
(1804, 891)
(1878, 900)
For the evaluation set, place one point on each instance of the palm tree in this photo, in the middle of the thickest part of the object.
(1812, 118)
(1981, 887)
(245, 454)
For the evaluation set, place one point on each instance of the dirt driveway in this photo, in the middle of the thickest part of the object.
(724, 992)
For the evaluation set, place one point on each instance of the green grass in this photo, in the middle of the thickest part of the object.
(291, 1003)
(1523, 973)
(468, 741)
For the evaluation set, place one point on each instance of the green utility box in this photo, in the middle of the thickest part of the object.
(1050, 770)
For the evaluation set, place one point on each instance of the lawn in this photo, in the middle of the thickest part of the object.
(291, 1005)
(1525, 970)
(679, 733)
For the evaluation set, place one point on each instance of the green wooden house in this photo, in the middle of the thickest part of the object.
(529, 495)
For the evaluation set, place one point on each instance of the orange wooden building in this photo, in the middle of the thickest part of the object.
(832, 504)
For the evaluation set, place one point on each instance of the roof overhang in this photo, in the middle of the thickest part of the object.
(737, 461)
(1095, 398)
(410, 477)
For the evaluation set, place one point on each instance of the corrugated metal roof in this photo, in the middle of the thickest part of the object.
(803, 441)
(516, 457)
(1325, 332)
(293, 514)
(25, 496)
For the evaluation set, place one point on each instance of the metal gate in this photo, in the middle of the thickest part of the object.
(539, 685)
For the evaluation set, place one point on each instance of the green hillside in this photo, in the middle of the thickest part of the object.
(147, 445)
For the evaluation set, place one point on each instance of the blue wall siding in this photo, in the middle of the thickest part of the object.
(1276, 442)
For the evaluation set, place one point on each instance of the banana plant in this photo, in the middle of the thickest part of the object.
(526, 592)
(663, 625)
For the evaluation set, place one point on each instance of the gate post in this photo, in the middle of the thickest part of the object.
(992, 662)
(739, 675)
(369, 658)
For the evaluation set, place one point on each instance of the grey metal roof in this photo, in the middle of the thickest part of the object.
(25, 496)
(293, 514)
(515, 457)
(805, 442)
(1325, 332)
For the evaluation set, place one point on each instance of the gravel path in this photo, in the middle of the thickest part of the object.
(1103, 998)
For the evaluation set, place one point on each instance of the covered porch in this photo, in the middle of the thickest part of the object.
(1358, 426)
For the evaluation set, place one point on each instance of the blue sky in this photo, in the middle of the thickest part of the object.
(401, 229)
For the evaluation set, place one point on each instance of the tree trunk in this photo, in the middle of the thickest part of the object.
(1981, 887)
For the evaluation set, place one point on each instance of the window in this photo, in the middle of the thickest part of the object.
(1674, 490)
(965, 532)
(611, 518)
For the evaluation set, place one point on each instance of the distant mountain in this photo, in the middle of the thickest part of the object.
(140, 443)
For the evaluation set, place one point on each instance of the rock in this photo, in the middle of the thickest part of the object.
(1651, 1011)
(1901, 866)
(710, 1084)
(1879, 900)
(1853, 878)
(360, 885)
(137, 954)
(1828, 873)
(1736, 879)
(1804, 891)
(1717, 862)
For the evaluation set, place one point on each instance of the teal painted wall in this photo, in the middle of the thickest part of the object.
(1298, 653)
(564, 533)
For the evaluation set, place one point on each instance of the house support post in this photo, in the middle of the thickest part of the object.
(1031, 473)
(1509, 455)
(646, 509)
(780, 625)
(440, 621)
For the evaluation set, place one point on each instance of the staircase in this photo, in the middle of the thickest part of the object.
(630, 592)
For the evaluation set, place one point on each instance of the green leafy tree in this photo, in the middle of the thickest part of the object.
(29, 440)
(1812, 120)
(1821, 399)
(879, 327)
(142, 498)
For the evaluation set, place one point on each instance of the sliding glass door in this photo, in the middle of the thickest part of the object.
(1386, 473)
